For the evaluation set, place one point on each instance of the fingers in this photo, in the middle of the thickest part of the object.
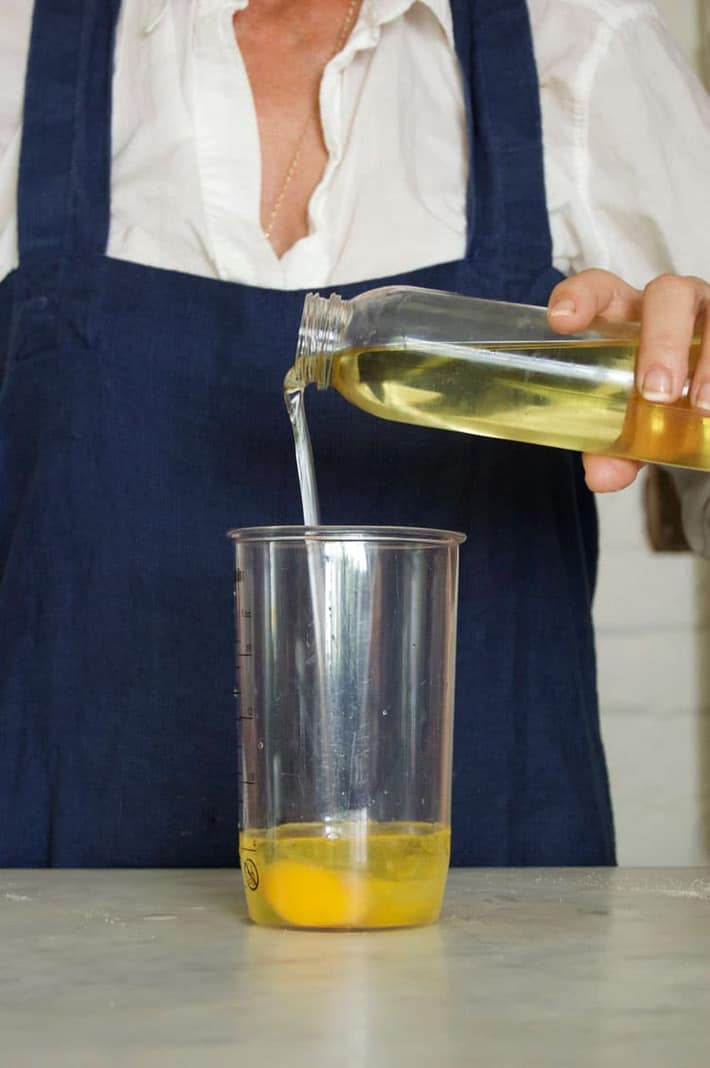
(605, 474)
(576, 301)
(671, 308)
(673, 311)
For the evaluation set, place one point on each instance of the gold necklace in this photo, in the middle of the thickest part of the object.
(291, 170)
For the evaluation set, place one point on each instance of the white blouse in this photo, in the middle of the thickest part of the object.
(626, 134)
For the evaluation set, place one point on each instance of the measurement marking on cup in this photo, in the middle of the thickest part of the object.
(251, 874)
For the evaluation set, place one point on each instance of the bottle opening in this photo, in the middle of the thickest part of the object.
(321, 334)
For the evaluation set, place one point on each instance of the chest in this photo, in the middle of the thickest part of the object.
(190, 172)
(285, 49)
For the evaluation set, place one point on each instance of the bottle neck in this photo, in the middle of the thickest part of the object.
(321, 335)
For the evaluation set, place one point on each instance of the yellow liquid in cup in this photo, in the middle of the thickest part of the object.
(358, 876)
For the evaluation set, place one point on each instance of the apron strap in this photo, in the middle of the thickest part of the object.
(508, 224)
(462, 17)
(65, 163)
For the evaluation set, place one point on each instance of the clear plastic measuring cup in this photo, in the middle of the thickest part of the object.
(346, 643)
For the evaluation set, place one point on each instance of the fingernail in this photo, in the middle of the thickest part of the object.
(657, 384)
(562, 308)
(702, 397)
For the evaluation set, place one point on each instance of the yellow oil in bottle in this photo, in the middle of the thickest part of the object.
(358, 876)
(577, 396)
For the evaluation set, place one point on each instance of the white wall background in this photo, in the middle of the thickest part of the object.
(653, 643)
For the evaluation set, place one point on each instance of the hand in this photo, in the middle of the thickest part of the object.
(670, 309)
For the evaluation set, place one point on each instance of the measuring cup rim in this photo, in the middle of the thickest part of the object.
(419, 535)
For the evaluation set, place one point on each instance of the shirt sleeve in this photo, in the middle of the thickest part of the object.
(629, 165)
(15, 26)
(644, 173)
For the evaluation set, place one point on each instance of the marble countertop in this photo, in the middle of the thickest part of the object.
(527, 967)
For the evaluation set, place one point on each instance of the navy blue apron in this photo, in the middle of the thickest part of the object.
(141, 417)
